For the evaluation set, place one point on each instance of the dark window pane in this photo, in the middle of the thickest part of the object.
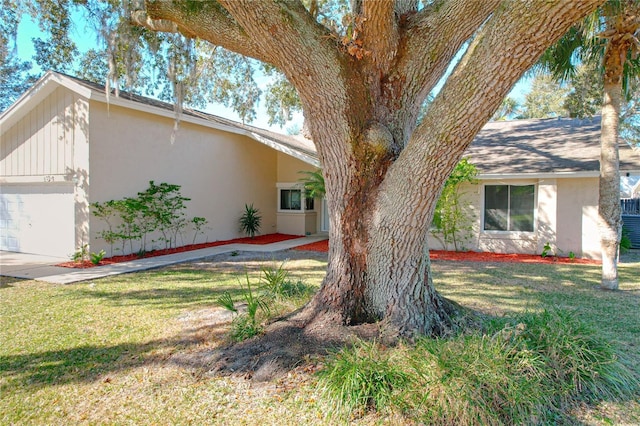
(285, 199)
(308, 203)
(290, 199)
(296, 199)
(521, 208)
(496, 207)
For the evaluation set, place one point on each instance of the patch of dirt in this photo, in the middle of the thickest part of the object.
(287, 345)
(258, 240)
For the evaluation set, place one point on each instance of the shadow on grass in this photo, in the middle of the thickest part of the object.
(89, 363)
(284, 349)
(6, 281)
(79, 364)
(169, 298)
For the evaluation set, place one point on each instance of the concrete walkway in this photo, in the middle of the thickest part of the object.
(42, 268)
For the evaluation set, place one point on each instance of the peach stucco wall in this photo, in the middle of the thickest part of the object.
(296, 223)
(219, 171)
(577, 217)
(565, 216)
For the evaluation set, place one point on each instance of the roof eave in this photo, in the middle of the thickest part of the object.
(541, 175)
(36, 93)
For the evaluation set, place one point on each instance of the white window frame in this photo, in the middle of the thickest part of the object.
(295, 186)
(507, 232)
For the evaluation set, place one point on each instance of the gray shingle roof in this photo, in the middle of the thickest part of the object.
(543, 146)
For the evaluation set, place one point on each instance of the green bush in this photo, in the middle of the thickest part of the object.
(245, 324)
(97, 257)
(274, 279)
(625, 241)
(159, 209)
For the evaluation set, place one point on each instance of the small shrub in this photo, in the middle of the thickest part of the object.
(159, 209)
(281, 289)
(81, 254)
(274, 279)
(452, 217)
(244, 327)
(250, 220)
(625, 242)
(546, 250)
(97, 257)
(245, 324)
(198, 223)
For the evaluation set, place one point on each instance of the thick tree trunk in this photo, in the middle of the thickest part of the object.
(379, 267)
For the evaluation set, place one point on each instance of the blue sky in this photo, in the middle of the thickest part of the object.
(85, 40)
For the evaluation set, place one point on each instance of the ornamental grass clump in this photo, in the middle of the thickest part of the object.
(523, 370)
(279, 286)
(245, 324)
(362, 377)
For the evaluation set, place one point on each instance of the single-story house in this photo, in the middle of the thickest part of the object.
(538, 184)
(65, 145)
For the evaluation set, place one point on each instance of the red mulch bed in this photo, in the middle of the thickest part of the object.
(473, 256)
(322, 246)
(259, 240)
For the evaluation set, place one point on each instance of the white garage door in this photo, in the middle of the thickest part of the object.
(37, 219)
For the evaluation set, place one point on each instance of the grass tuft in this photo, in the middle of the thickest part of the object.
(360, 378)
(522, 370)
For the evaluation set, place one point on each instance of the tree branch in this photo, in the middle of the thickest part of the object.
(434, 36)
(380, 35)
(205, 20)
(509, 43)
(140, 18)
(305, 51)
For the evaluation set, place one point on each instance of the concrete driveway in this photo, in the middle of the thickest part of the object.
(35, 267)
(30, 266)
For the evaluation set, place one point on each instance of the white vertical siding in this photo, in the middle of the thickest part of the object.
(41, 143)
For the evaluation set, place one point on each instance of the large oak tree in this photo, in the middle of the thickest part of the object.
(361, 79)
(361, 93)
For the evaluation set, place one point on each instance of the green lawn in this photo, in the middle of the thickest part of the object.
(137, 348)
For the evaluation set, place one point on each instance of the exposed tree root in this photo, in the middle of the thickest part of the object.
(305, 334)
(287, 343)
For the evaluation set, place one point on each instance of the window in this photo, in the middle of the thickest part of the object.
(308, 203)
(509, 208)
(290, 199)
